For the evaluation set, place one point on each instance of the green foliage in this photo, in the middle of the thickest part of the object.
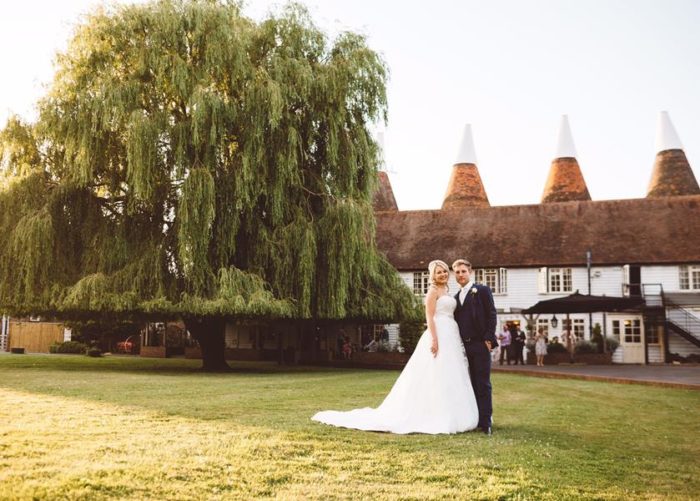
(190, 161)
(195, 219)
(410, 332)
(102, 332)
(612, 344)
(586, 347)
(556, 348)
(68, 347)
(19, 153)
(597, 337)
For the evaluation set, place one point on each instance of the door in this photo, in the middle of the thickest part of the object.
(631, 341)
(635, 281)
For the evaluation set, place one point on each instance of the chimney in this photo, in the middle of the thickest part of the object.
(565, 182)
(672, 174)
(465, 188)
(384, 196)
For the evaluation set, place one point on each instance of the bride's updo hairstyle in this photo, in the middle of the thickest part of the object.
(433, 265)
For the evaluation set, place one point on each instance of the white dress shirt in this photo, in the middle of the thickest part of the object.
(463, 291)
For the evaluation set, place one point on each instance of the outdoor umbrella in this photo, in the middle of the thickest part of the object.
(584, 303)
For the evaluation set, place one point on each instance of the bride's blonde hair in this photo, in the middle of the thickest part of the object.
(432, 266)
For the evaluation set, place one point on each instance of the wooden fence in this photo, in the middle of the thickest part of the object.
(34, 337)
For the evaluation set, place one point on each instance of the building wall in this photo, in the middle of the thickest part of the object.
(4, 332)
(656, 354)
(522, 292)
(667, 276)
(677, 344)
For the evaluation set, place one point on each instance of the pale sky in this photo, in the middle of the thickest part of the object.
(510, 68)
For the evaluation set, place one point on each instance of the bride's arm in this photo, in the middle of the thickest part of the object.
(430, 303)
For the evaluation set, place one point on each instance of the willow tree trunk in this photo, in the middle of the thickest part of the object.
(210, 334)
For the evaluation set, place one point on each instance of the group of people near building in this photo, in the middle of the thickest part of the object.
(512, 343)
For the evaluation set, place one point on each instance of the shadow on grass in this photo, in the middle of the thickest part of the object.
(135, 364)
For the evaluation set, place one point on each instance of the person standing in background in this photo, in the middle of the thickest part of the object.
(540, 346)
(504, 342)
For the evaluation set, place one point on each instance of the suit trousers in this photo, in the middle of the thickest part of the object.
(479, 359)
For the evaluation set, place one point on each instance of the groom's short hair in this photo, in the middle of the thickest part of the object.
(461, 262)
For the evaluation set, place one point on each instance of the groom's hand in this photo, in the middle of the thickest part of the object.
(488, 344)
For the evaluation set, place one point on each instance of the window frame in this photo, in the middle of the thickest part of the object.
(632, 330)
(578, 327)
(689, 277)
(562, 275)
(421, 283)
(498, 276)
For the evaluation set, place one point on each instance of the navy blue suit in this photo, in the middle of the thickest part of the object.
(476, 319)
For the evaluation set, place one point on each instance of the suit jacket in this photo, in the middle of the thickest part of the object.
(482, 312)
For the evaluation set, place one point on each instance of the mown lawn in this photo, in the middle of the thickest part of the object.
(72, 427)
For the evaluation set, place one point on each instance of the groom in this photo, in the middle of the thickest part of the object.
(476, 316)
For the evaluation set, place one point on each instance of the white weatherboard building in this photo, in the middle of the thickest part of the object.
(647, 247)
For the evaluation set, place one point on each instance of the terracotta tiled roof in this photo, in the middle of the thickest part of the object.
(565, 182)
(672, 175)
(465, 188)
(639, 231)
(384, 196)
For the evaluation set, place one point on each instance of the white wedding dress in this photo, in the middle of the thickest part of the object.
(432, 394)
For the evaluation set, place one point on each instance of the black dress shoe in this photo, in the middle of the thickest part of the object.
(487, 430)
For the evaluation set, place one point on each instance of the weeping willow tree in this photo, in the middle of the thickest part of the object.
(191, 163)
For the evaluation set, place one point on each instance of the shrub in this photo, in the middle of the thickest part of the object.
(556, 348)
(586, 347)
(409, 334)
(94, 352)
(612, 343)
(104, 333)
(68, 347)
(597, 337)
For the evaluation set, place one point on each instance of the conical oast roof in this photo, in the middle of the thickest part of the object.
(384, 196)
(671, 175)
(465, 188)
(565, 182)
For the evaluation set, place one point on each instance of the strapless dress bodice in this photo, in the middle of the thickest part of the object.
(445, 306)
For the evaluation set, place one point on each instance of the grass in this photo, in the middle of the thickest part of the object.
(72, 427)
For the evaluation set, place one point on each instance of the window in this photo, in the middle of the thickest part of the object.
(554, 280)
(421, 283)
(559, 280)
(495, 278)
(544, 324)
(616, 329)
(633, 331)
(689, 277)
(577, 328)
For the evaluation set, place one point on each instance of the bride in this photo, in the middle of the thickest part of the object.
(433, 394)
